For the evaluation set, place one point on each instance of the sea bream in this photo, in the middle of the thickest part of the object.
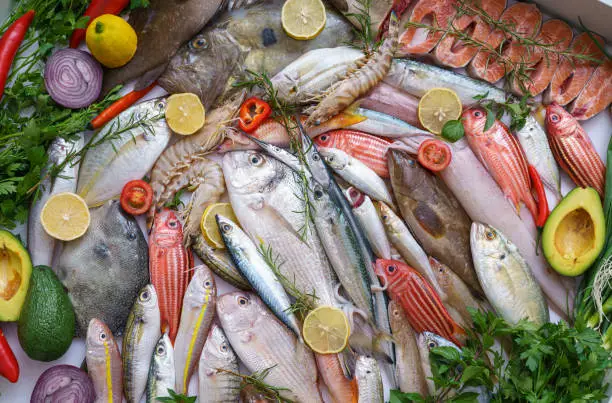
(216, 386)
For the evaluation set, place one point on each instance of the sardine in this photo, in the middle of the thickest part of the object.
(369, 380)
(196, 318)
(142, 332)
(103, 363)
(370, 222)
(217, 386)
(505, 277)
(162, 372)
(262, 342)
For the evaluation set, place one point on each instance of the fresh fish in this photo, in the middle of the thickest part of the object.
(433, 215)
(420, 41)
(506, 278)
(103, 363)
(40, 244)
(378, 12)
(262, 342)
(367, 215)
(215, 386)
(357, 174)
(251, 39)
(141, 336)
(331, 371)
(104, 270)
(408, 370)
(106, 168)
(251, 263)
(392, 101)
(381, 124)
(596, 94)
(250, 394)
(169, 264)
(161, 373)
(573, 149)
(196, 318)
(537, 150)
(369, 380)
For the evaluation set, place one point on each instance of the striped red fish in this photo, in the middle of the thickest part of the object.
(423, 307)
(370, 150)
(500, 152)
(596, 95)
(419, 41)
(573, 149)
(169, 268)
(340, 387)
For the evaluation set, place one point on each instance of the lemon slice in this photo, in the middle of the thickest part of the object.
(185, 113)
(438, 106)
(65, 216)
(326, 330)
(209, 227)
(303, 19)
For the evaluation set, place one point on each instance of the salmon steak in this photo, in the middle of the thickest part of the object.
(596, 94)
(421, 40)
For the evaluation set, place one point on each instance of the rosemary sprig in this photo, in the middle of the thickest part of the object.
(364, 36)
(257, 380)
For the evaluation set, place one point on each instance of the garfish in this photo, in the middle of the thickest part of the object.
(215, 386)
(596, 94)
(249, 260)
(142, 332)
(505, 277)
(261, 342)
(367, 215)
(104, 270)
(433, 215)
(392, 101)
(169, 264)
(408, 370)
(573, 149)
(435, 13)
(369, 380)
(103, 363)
(162, 372)
(40, 244)
(110, 165)
(196, 318)
(357, 174)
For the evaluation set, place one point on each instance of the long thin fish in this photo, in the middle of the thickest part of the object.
(104, 363)
(367, 215)
(369, 380)
(216, 386)
(162, 372)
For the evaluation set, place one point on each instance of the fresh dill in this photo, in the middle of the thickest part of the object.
(257, 380)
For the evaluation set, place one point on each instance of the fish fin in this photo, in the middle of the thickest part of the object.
(281, 220)
(372, 345)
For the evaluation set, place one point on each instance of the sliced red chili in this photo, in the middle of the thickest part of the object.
(434, 155)
(252, 113)
(536, 183)
(136, 197)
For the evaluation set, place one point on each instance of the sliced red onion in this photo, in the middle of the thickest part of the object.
(73, 78)
(63, 384)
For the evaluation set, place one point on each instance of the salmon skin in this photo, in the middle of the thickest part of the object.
(419, 41)
(573, 74)
(596, 95)
(169, 264)
(455, 53)
(573, 149)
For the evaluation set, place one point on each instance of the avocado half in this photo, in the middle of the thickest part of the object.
(574, 233)
(15, 272)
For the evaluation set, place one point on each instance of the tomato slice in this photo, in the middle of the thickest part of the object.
(136, 197)
(252, 113)
(434, 155)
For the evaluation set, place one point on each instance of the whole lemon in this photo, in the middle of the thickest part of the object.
(111, 40)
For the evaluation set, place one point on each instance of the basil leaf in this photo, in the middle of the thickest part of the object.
(453, 130)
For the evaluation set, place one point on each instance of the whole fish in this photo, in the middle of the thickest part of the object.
(141, 335)
(251, 263)
(357, 174)
(107, 167)
(103, 363)
(262, 342)
(372, 226)
(196, 318)
(369, 380)
(104, 270)
(215, 386)
(408, 370)
(169, 264)
(40, 244)
(161, 373)
(433, 215)
(392, 101)
(573, 149)
(420, 41)
(381, 124)
(596, 94)
(505, 277)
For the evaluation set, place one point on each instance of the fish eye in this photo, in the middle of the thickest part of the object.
(490, 235)
(145, 296)
(391, 268)
(431, 344)
(172, 223)
(316, 158)
(208, 284)
(226, 228)
(477, 114)
(324, 138)
(161, 350)
(102, 336)
(256, 159)
(411, 163)
(199, 43)
(223, 348)
(554, 118)
(161, 105)
(243, 301)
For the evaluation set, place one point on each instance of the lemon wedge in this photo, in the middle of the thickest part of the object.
(303, 19)
(438, 106)
(326, 330)
(65, 216)
(185, 113)
(209, 227)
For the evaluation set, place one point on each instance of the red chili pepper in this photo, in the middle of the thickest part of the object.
(97, 8)
(119, 106)
(252, 113)
(9, 44)
(537, 185)
(9, 368)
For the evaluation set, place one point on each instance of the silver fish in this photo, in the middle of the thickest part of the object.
(161, 373)
(505, 277)
(107, 167)
(261, 342)
(142, 332)
(369, 380)
(216, 386)
(40, 244)
(381, 124)
(198, 311)
(368, 217)
(258, 272)
(103, 363)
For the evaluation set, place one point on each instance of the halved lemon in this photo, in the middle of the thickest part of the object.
(326, 330)
(303, 19)
(209, 227)
(185, 113)
(438, 106)
(65, 216)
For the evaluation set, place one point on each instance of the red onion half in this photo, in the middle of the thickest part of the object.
(63, 384)
(73, 78)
